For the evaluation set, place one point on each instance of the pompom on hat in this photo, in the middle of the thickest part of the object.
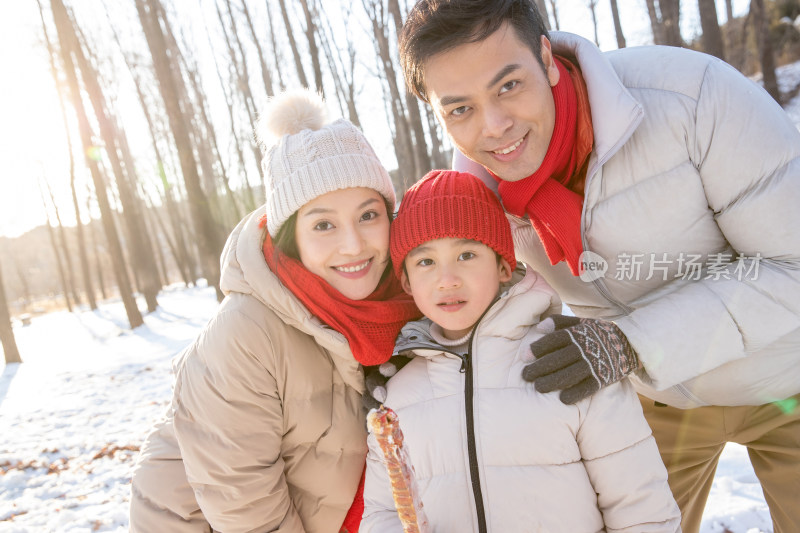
(307, 157)
(447, 203)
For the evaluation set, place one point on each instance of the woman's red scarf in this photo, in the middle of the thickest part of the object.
(370, 325)
(552, 197)
(352, 521)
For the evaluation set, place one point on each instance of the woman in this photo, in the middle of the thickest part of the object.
(266, 431)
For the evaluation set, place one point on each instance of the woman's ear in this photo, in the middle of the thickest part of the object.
(505, 270)
(404, 281)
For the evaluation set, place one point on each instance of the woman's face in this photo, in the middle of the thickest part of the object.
(343, 237)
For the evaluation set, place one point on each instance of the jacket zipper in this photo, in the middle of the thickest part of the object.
(598, 283)
(472, 452)
(471, 448)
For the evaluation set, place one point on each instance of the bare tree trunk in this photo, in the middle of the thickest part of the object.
(670, 17)
(419, 145)
(728, 10)
(64, 246)
(301, 74)
(542, 7)
(592, 4)
(555, 14)
(341, 71)
(211, 141)
(22, 276)
(148, 212)
(92, 229)
(275, 50)
(59, 262)
(655, 23)
(86, 275)
(617, 25)
(87, 280)
(712, 35)
(406, 164)
(66, 44)
(178, 249)
(265, 75)
(10, 350)
(765, 52)
(141, 255)
(177, 256)
(240, 66)
(441, 159)
(243, 84)
(234, 135)
(209, 240)
(313, 49)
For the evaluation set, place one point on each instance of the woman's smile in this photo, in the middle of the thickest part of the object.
(343, 237)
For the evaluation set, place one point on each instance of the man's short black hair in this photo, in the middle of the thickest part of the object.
(436, 26)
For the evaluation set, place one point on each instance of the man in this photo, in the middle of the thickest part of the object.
(656, 189)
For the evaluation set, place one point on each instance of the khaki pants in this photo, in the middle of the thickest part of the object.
(691, 440)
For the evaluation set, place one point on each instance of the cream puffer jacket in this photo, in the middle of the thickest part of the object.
(266, 429)
(534, 464)
(693, 164)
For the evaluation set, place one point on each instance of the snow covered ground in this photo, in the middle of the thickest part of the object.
(74, 414)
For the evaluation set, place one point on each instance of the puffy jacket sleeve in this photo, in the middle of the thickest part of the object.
(747, 153)
(623, 463)
(229, 426)
(380, 513)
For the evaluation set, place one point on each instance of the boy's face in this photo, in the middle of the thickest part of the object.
(495, 101)
(453, 281)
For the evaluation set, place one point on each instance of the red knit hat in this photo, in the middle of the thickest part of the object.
(446, 203)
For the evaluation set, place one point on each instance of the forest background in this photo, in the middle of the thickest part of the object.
(127, 147)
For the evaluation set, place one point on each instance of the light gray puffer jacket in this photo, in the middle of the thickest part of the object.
(542, 466)
(692, 162)
(266, 428)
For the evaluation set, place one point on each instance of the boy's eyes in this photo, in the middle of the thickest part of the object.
(460, 110)
(463, 256)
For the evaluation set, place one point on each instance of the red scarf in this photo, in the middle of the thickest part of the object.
(370, 325)
(552, 196)
(353, 519)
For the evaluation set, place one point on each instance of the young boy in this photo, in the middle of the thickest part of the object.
(490, 453)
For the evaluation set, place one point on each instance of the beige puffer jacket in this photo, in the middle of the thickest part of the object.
(692, 163)
(266, 429)
(542, 466)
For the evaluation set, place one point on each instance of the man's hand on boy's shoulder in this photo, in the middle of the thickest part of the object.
(579, 356)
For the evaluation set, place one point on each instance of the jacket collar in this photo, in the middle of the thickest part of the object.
(244, 270)
(615, 112)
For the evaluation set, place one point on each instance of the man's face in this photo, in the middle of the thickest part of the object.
(495, 101)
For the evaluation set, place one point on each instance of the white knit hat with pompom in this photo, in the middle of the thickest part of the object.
(306, 158)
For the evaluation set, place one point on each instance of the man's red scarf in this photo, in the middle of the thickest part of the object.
(370, 325)
(552, 197)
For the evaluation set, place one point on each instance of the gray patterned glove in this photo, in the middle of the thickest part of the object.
(580, 356)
